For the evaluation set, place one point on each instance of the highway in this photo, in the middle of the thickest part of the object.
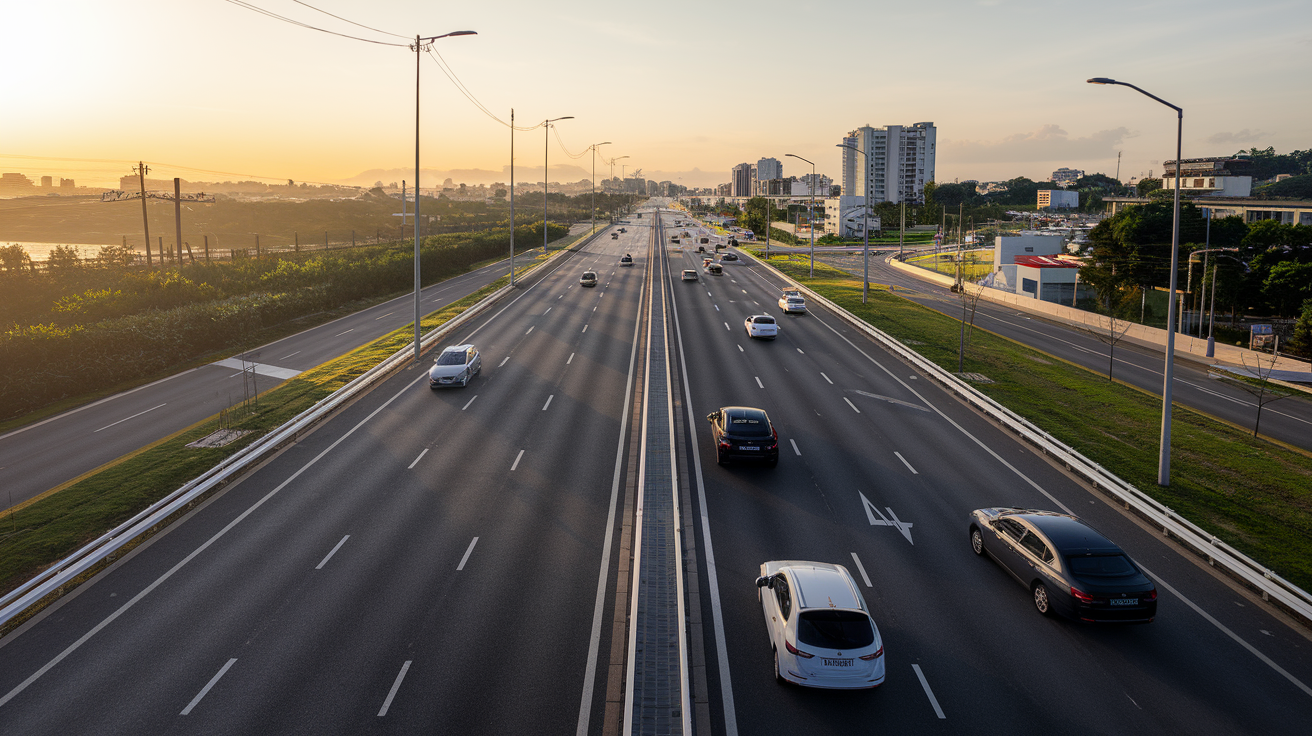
(458, 561)
(37, 457)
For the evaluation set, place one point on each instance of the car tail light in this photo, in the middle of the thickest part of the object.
(1081, 596)
(1151, 595)
(798, 652)
(724, 444)
(875, 654)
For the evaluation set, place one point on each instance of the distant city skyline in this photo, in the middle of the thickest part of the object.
(214, 87)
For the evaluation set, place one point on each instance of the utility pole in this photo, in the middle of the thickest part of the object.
(512, 196)
(177, 214)
(902, 228)
(141, 172)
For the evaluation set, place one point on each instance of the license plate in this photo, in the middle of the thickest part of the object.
(747, 447)
(1124, 601)
(837, 662)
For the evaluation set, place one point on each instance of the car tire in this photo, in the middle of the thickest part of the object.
(1042, 601)
(772, 462)
(779, 678)
(976, 541)
(720, 459)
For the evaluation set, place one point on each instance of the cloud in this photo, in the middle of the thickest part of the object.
(1239, 138)
(1049, 143)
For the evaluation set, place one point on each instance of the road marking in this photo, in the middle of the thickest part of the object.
(134, 416)
(517, 458)
(208, 685)
(562, 296)
(1252, 650)
(389, 314)
(285, 357)
(468, 551)
(862, 569)
(740, 349)
(594, 309)
(717, 307)
(546, 312)
(343, 333)
(549, 398)
(503, 361)
(529, 330)
(743, 291)
(425, 452)
(708, 293)
(571, 359)
(585, 328)
(794, 444)
(928, 693)
(800, 351)
(726, 325)
(904, 462)
(849, 403)
(892, 400)
(395, 686)
(902, 526)
(822, 374)
(338, 546)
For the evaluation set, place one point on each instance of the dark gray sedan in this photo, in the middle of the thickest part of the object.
(1067, 566)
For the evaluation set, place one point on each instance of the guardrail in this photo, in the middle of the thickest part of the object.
(68, 569)
(1272, 587)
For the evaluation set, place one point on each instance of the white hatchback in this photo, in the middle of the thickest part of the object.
(820, 629)
(761, 325)
(792, 304)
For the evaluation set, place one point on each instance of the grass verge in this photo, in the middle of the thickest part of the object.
(1254, 494)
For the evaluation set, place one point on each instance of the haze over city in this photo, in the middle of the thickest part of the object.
(685, 93)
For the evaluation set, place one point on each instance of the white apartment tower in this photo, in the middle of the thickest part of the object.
(899, 160)
(769, 168)
(848, 181)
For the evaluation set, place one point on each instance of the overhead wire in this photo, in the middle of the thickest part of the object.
(285, 19)
(450, 73)
(347, 20)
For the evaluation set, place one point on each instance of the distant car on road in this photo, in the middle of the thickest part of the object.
(456, 366)
(715, 269)
(689, 275)
(626, 260)
(1067, 565)
(819, 625)
(743, 433)
(729, 257)
(614, 236)
(792, 304)
(589, 278)
(762, 326)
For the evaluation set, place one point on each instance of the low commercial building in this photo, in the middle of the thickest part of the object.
(1045, 278)
(1008, 248)
(1066, 175)
(1058, 199)
(845, 218)
(1218, 177)
(1286, 212)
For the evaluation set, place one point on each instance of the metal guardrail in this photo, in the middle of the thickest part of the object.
(68, 569)
(1272, 587)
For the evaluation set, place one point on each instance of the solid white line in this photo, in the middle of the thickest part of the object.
(503, 361)
(333, 551)
(925, 684)
(529, 330)
(585, 329)
(395, 686)
(517, 459)
(794, 444)
(549, 398)
(740, 349)
(862, 569)
(758, 381)
(849, 403)
(726, 325)
(822, 373)
(904, 462)
(285, 357)
(571, 359)
(134, 416)
(343, 333)
(389, 314)
(196, 552)
(425, 452)
(466, 406)
(208, 685)
(1225, 630)
(465, 559)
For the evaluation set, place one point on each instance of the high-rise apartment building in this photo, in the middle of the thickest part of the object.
(769, 168)
(740, 181)
(899, 160)
(849, 174)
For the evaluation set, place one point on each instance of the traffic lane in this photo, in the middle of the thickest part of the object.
(953, 484)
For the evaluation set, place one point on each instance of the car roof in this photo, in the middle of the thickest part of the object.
(458, 348)
(1067, 533)
(823, 585)
(745, 412)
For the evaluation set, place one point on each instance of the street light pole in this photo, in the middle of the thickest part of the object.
(512, 196)
(546, 175)
(865, 222)
(810, 213)
(1164, 448)
(421, 44)
(594, 182)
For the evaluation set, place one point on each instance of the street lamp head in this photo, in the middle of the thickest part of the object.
(453, 33)
(1102, 80)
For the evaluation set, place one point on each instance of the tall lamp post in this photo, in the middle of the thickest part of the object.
(865, 222)
(421, 45)
(546, 173)
(1164, 449)
(594, 182)
(810, 213)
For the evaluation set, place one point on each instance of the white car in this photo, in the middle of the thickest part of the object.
(792, 304)
(689, 275)
(456, 366)
(761, 325)
(820, 628)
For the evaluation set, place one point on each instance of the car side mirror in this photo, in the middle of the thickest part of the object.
(765, 581)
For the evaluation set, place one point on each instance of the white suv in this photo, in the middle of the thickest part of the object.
(820, 629)
(761, 325)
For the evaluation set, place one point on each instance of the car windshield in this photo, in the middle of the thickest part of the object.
(1101, 566)
(451, 357)
(748, 426)
(834, 629)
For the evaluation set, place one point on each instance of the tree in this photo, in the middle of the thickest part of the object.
(14, 258)
(1301, 342)
(1295, 187)
(929, 214)
(951, 195)
(63, 258)
(1147, 185)
(1287, 286)
(1097, 181)
(1259, 386)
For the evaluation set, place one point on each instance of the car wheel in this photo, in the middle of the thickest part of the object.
(720, 459)
(976, 541)
(1041, 600)
(772, 462)
(778, 677)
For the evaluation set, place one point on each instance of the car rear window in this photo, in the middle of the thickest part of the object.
(1101, 566)
(749, 426)
(763, 320)
(451, 357)
(834, 629)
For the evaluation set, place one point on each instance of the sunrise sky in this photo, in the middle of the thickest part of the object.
(685, 89)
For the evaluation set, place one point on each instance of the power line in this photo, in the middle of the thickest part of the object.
(346, 20)
(443, 65)
(566, 150)
(285, 19)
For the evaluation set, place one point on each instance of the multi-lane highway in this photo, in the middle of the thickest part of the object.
(459, 562)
